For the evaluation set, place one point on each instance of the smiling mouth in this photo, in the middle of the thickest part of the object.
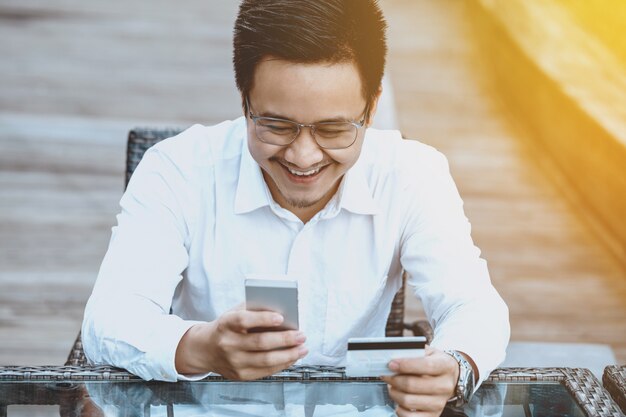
(304, 175)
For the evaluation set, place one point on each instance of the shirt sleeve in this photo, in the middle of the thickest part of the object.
(127, 321)
(446, 271)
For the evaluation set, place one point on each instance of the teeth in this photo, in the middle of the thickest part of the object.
(305, 173)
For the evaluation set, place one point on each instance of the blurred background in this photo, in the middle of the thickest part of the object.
(526, 98)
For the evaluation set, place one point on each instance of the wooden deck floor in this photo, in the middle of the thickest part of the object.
(76, 76)
(560, 283)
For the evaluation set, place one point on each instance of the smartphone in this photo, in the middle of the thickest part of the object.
(280, 296)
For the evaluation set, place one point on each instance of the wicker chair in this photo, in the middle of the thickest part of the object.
(614, 380)
(139, 140)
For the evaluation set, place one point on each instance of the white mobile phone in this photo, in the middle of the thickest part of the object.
(280, 296)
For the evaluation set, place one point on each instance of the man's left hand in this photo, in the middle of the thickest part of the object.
(423, 386)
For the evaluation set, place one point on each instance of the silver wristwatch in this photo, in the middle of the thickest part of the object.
(465, 384)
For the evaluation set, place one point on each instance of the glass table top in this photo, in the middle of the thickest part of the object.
(263, 398)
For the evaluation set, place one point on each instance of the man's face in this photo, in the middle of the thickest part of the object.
(302, 176)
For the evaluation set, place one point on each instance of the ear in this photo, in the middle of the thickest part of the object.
(371, 108)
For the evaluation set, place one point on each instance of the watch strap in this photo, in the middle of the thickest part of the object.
(465, 384)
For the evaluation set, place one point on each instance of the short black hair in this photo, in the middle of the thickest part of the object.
(311, 31)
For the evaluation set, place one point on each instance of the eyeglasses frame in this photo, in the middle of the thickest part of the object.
(311, 126)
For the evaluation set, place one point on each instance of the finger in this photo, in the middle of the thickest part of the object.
(263, 341)
(428, 403)
(277, 359)
(403, 412)
(425, 385)
(252, 365)
(437, 363)
(244, 320)
(251, 373)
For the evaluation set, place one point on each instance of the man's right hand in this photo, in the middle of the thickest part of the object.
(227, 347)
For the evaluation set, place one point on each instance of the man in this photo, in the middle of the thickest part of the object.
(299, 186)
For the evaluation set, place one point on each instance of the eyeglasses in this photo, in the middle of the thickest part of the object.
(328, 135)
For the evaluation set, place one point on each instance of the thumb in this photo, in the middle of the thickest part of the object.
(243, 320)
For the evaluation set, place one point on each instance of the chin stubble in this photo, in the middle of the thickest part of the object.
(298, 203)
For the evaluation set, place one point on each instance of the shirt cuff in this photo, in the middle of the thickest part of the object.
(164, 354)
(486, 359)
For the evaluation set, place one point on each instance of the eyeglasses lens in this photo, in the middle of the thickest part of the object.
(327, 135)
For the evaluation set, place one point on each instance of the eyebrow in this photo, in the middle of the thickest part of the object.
(329, 120)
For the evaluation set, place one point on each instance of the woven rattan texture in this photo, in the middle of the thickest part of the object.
(579, 382)
(88, 373)
(421, 328)
(139, 141)
(588, 390)
(614, 380)
(77, 355)
(64, 373)
(395, 321)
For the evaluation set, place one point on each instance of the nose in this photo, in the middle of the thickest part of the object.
(304, 152)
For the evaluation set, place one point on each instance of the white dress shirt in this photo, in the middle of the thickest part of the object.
(198, 218)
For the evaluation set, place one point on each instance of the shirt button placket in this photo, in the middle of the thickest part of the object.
(299, 268)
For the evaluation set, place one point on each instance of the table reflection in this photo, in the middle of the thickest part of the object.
(265, 399)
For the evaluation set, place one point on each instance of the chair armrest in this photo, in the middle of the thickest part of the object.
(421, 328)
(614, 379)
(77, 355)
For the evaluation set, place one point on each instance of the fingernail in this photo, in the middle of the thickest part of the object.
(300, 338)
(277, 319)
(393, 365)
(388, 387)
(302, 351)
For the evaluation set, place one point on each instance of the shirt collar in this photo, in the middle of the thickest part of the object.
(355, 194)
(252, 192)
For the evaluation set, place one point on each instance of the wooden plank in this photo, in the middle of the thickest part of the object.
(559, 281)
(76, 76)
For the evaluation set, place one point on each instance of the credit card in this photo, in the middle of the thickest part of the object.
(369, 356)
